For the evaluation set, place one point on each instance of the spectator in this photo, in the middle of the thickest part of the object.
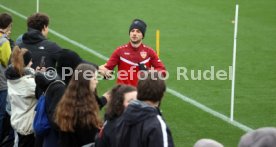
(5, 52)
(262, 137)
(21, 91)
(68, 60)
(77, 113)
(207, 143)
(141, 125)
(132, 57)
(120, 96)
(45, 53)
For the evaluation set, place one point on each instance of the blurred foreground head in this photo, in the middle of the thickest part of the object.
(207, 143)
(263, 137)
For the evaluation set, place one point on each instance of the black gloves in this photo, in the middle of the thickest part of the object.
(142, 66)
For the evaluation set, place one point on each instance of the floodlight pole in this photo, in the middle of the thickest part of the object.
(37, 6)
(234, 63)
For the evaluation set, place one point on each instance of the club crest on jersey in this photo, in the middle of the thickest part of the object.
(143, 54)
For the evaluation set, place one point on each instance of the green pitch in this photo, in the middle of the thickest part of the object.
(194, 34)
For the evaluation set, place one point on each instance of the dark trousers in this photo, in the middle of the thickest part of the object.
(8, 133)
(26, 140)
(3, 101)
(39, 141)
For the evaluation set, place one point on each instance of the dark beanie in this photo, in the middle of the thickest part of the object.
(138, 24)
(69, 59)
(27, 58)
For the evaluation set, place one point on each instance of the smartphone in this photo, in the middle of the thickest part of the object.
(42, 62)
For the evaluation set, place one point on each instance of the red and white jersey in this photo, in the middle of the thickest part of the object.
(127, 59)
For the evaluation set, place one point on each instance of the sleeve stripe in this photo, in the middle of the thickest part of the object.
(164, 131)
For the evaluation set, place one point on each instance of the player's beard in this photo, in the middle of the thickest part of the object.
(136, 42)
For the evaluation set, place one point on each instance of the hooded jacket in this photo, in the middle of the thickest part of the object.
(141, 125)
(5, 52)
(34, 41)
(21, 93)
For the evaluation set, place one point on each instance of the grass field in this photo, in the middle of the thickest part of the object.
(194, 34)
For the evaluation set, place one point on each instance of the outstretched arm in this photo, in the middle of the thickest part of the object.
(107, 69)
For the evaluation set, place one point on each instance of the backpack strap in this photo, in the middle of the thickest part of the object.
(3, 39)
(56, 81)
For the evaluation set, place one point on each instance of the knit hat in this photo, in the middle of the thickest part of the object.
(27, 57)
(263, 137)
(138, 24)
(67, 59)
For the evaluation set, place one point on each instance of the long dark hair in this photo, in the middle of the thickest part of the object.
(78, 105)
(116, 105)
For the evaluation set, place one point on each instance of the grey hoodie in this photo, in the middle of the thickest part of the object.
(3, 80)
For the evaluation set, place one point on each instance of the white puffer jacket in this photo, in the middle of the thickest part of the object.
(21, 93)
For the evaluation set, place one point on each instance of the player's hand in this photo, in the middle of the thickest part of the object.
(102, 69)
(105, 72)
(142, 66)
(40, 69)
(108, 74)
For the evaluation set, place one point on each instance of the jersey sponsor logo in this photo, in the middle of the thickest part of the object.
(126, 53)
(143, 54)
